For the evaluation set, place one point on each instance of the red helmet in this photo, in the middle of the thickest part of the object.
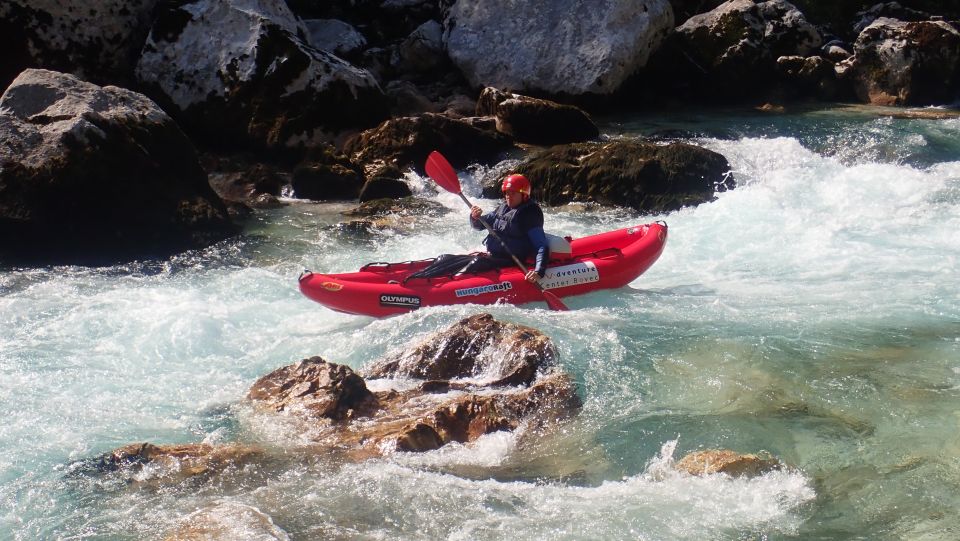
(516, 183)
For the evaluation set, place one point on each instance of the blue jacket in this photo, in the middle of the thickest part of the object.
(521, 230)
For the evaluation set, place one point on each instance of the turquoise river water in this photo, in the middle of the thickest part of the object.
(812, 313)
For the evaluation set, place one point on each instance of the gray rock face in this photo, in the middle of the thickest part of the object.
(561, 47)
(736, 45)
(97, 41)
(97, 174)
(907, 63)
(242, 71)
(334, 35)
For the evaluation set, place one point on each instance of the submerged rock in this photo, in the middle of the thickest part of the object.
(93, 174)
(171, 464)
(227, 521)
(734, 464)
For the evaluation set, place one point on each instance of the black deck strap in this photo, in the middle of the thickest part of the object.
(444, 265)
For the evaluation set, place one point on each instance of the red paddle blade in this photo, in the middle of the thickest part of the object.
(554, 302)
(442, 172)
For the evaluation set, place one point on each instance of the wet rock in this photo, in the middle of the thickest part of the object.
(98, 42)
(407, 141)
(227, 521)
(313, 385)
(907, 63)
(645, 176)
(241, 73)
(326, 174)
(810, 76)
(734, 464)
(384, 188)
(396, 215)
(461, 397)
(536, 121)
(243, 181)
(98, 175)
(501, 43)
(175, 463)
(477, 348)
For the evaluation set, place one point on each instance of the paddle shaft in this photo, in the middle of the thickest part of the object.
(497, 236)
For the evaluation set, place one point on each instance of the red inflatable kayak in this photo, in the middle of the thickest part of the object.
(607, 260)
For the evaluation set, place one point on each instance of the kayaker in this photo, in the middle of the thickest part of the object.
(519, 222)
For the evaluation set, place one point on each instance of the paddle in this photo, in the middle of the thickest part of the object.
(443, 174)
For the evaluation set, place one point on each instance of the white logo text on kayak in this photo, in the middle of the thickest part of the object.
(570, 275)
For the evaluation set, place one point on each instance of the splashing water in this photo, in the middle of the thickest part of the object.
(813, 312)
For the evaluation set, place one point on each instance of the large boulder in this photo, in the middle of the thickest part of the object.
(91, 174)
(407, 141)
(242, 72)
(907, 63)
(564, 47)
(645, 176)
(476, 377)
(732, 50)
(98, 42)
(536, 121)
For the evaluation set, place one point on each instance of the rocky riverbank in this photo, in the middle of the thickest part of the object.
(115, 121)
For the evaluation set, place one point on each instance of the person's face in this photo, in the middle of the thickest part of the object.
(513, 199)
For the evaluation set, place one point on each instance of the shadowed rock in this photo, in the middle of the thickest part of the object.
(97, 175)
(731, 51)
(242, 72)
(645, 176)
(536, 121)
(734, 464)
(907, 63)
(96, 41)
(406, 142)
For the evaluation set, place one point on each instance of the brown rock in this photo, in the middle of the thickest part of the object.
(536, 121)
(320, 388)
(726, 461)
(179, 462)
(475, 347)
